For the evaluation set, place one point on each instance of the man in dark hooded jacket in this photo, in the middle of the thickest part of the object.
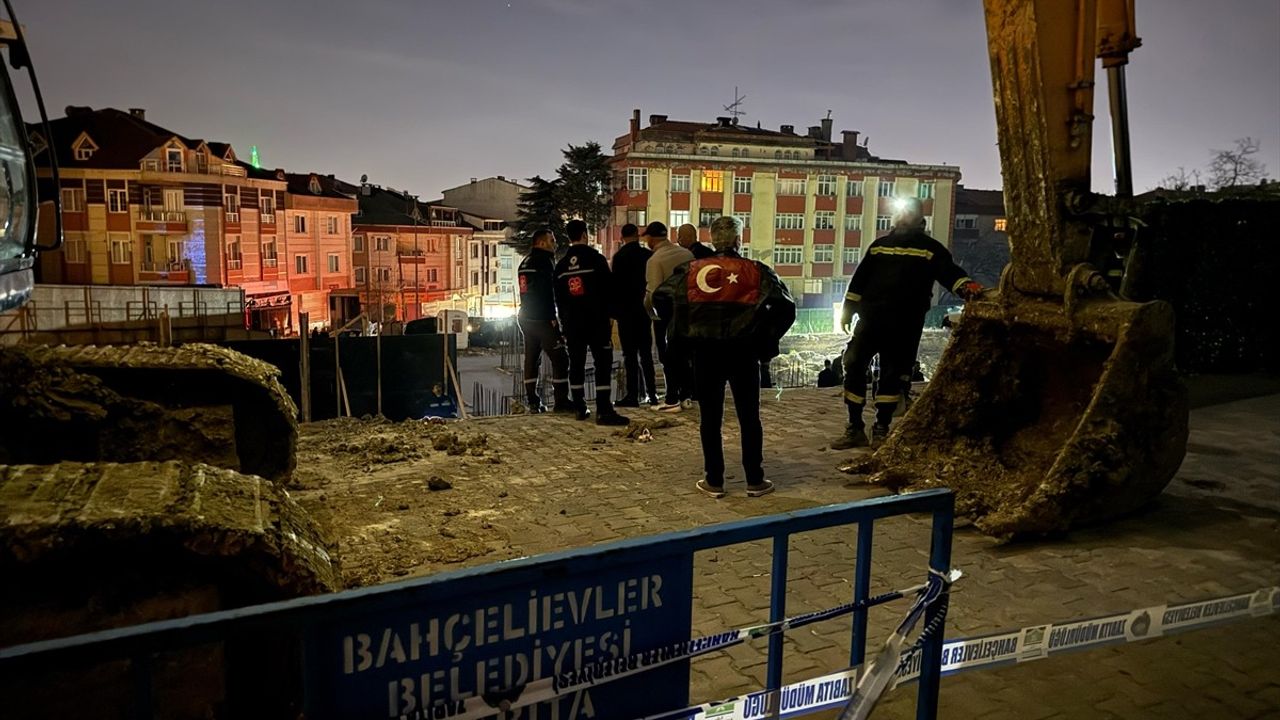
(732, 312)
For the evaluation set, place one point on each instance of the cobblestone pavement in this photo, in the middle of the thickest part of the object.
(551, 483)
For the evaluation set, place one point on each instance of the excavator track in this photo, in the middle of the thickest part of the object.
(145, 402)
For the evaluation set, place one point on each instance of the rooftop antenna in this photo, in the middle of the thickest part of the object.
(735, 108)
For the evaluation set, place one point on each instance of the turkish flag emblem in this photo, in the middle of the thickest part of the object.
(723, 280)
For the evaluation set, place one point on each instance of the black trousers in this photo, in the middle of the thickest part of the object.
(677, 364)
(716, 365)
(636, 335)
(597, 339)
(896, 340)
(541, 338)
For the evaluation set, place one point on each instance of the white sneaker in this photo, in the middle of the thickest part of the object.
(670, 407)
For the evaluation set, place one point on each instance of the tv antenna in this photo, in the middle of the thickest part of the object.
(735, 108)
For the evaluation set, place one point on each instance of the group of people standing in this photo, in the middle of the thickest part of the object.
(716, 317)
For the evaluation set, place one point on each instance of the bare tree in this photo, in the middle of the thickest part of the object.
(1181, 180)
(1232, 168)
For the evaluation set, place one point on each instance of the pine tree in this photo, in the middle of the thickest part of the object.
(539, 207)
(584, 184)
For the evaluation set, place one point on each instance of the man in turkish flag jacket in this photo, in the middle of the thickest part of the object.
(732, 311)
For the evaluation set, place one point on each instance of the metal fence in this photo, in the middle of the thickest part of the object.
(411, 648)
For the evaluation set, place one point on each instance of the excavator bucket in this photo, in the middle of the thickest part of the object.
(1057, 403)
(1040, 420)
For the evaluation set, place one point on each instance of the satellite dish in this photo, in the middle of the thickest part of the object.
(364, 178)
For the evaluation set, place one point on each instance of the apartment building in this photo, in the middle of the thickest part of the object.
(318, 238)
(143, 205)
(486, 201)
(408, 256)
(809, 205)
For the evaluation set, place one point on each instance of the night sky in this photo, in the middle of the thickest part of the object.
(425, 94)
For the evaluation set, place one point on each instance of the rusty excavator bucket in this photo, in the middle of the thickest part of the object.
(1057, 403)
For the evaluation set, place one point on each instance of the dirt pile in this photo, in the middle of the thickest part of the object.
(371, 442)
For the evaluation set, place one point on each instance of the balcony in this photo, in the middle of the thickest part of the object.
(163, 216)
(156, 169)
(172, 271)
(269, 262)
(233, 217)
(267, 219)
(235, 264)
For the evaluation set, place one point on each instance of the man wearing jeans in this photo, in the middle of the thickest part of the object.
(733, 312)
(667, 256)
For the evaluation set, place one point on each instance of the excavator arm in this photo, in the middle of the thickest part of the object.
(1057, 403)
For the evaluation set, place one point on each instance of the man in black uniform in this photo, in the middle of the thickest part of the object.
(687, 237)
(537, 320)
(635, 329)
(585, 299)
(733, 312)
(890, 293)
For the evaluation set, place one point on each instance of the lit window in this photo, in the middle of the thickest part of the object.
(712, 181)
(121, 249)
(925, 191)
(852, 223)
(72, 199)
(824, 220)
(679, 217)
(826, 184)
(680, 183)
(742, 184)
(744, 218)
(637, 178)
(335, 265)
(824, 253)
(234, 259)
(884, 222)
(117, 201)
(73, 249)
(1002, 225)
(789, 221)
(886, 188)
(854, 188)
(791, 186)
(852, 255)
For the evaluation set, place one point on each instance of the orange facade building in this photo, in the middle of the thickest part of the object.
(143, 205)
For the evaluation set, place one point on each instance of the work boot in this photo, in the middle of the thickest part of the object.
(855, 436)
(565, 408)
(879, 432)
(580, 405)
(605, 414)
(628, 401)
(536, 407)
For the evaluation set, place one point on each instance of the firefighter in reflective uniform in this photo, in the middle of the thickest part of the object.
(537, 320)
(890, 293)
(584, 296)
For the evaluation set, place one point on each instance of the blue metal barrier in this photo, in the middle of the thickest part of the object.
(400, 649)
